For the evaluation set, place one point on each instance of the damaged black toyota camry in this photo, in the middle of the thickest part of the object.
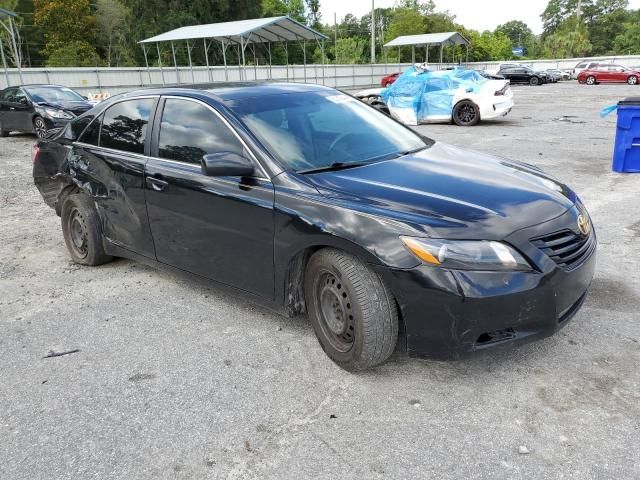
(311, 201)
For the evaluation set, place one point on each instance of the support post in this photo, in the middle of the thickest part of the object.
(467, 60)
(323, 60)
(244, 72)
(270, 62)
(206, 59)
(4, 63)
(304, 60)
(175, 63)
(160, 63)
(146, 62)
(193, 77)
(224, 59)
(255, 62)
(16, 53)
(413, 54)
(286, 55)
(441, 53)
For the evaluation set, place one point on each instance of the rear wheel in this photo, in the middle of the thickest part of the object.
(352, 312)
(591, 80)
(82, 231)
(466, 114)
(40, 127)
(534, 81)
(632, 80)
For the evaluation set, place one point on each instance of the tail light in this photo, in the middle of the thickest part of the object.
(35, 152)
(502, 91)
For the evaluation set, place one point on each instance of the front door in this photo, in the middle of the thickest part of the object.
(216, 227)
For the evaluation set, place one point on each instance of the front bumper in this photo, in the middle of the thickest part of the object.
(449, 314)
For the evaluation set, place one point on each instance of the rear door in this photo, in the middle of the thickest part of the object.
(108, 160)
(221, 228)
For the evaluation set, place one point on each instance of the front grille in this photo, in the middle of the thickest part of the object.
(566, 248)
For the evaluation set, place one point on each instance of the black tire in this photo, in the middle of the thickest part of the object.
(534, 81)
(466, 114)
(40, 127)
(82, 231)
(632, 80)
(353, 313)
(591, 80)
(3, 132)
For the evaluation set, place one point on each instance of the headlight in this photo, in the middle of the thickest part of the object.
(58, 114)
(467, 254)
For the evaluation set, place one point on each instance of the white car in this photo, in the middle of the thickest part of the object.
(445, 99)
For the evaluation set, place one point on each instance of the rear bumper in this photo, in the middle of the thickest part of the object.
(450, 314)
(499, 107)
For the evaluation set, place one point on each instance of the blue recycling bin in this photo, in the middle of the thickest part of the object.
(626, 152)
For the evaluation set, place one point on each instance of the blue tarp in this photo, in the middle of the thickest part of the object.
(418, 95)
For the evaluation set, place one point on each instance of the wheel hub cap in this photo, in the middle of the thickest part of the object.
(335, 311)
(78, 233)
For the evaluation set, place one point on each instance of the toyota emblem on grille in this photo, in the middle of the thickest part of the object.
(583, 224)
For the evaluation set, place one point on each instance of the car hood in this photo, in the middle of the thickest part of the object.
(452, 192)
(75, 107)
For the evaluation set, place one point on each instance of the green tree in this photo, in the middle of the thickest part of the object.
(570, 40)
(112, 18)
(68, 29)
(349, 50)
(628, 42)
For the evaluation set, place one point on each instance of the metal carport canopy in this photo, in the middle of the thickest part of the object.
(258, 30)
(447, 38)
(427, 40)
(7, 22)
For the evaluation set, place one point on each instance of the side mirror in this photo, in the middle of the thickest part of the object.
(24, 101)
(85, 97)
(226, 164)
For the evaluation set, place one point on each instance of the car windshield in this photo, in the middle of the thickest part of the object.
(315, 130)
(53, 94)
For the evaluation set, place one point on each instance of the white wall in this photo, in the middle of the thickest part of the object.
(115, 80)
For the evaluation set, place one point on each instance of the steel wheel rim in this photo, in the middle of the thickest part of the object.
(41, 128)
(466, 113)
(78, 234)
(335, 312)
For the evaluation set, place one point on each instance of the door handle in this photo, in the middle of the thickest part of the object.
(156, 184)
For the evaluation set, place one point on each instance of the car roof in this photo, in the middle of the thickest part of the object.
(227, 91)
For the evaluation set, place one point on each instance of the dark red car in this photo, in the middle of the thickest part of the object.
(389, 79)
(609, 73)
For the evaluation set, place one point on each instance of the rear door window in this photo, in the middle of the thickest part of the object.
(581, 65)
(124, 126)
(189, 130)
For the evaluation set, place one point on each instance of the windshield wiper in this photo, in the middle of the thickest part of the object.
(333, 167)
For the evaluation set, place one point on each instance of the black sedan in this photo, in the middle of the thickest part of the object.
(521, 74)
(39, 108)
(312, 201)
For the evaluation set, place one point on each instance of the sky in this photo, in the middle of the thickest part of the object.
(476, 14)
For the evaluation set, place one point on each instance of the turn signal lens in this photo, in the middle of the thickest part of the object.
(419, 250)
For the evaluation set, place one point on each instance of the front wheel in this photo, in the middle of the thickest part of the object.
(352, 311)
(632, 80)
(591, 80)
(534, 81)
(82, 231)
(3, 132)
(40, 127)
(466, 114)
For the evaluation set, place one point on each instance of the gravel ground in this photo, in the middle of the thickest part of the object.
(175, 380)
